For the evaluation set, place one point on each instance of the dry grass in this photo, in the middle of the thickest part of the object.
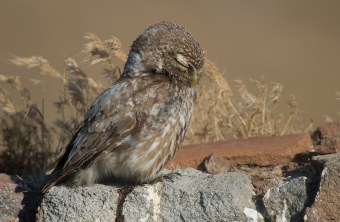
(220, 115)
(27, 141)
(328, 119)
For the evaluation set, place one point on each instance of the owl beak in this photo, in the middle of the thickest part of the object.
(194, 79)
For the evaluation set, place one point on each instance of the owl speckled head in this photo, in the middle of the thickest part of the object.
(169, 49)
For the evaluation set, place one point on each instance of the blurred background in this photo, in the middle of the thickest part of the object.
(296, 43)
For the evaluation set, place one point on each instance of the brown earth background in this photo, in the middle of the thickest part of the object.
(296, 43)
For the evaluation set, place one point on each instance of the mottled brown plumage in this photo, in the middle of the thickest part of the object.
(135, 126)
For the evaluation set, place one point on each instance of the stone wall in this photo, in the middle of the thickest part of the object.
(289, 178)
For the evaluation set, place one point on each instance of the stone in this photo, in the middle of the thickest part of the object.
(328, 145)
(194, 196)
(214, 164)
(264, 151)
(189, 195)
(15, 204)
(326, 206)
(10, 200)
(6, 179)
(93, 203)
(262, 178)
(328, 130)
(287, 201)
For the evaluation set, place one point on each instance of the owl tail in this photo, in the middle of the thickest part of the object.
(48, 182)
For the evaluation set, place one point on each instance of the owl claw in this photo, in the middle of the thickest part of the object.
(167, 177)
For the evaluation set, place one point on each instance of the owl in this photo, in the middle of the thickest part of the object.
(135, 126)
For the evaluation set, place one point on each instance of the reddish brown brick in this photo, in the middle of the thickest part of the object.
(262, 151)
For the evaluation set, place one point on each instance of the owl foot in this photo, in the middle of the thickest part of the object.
(167, 177)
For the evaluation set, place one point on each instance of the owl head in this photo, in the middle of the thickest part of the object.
(167, 49)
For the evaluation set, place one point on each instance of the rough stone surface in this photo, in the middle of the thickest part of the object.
(215, 164)
(262, 151)
(328, 145)
(194, 196)
(287, 201)
(327, 138)
(15, 204)
(10, 200)
(328, 130)
(95, 203)
(143, 203)
(190, 195)
(326, 206)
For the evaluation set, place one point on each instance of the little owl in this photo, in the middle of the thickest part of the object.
(135, 126)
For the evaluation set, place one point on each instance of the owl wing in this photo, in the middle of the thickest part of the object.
(93, 138)
(112, 117)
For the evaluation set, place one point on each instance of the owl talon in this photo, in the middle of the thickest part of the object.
(171, 176)
(167, 177)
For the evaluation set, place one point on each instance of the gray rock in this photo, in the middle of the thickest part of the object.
(287, 201)
(95, 203)
(193, 196)
(326, 206)
(143, 203)
(189, 196)
(16, 205)
(10, 200)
